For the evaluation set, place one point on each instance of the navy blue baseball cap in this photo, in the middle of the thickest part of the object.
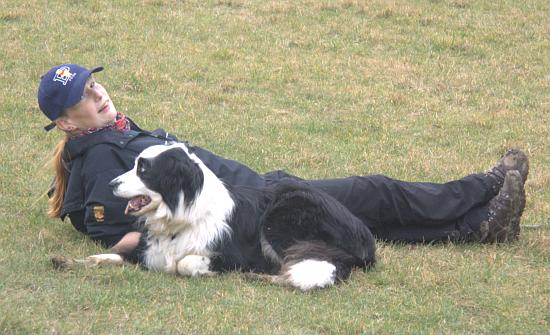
(62, 87)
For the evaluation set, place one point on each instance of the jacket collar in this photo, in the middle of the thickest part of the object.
(78, 146)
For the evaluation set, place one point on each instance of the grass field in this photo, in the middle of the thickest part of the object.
(416, 90)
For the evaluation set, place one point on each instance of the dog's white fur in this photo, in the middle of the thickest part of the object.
(193, 265)
(310, 273)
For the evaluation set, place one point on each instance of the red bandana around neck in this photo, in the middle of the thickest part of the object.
(121, 123)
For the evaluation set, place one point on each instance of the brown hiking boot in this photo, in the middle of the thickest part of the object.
(514, 159)
(505, 209)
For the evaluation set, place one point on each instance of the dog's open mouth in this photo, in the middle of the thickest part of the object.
(137, 203)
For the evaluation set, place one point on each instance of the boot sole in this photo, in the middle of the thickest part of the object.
(513, 185)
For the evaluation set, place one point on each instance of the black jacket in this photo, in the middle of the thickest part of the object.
(96, 159)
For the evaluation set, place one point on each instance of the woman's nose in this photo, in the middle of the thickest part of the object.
(98, 95)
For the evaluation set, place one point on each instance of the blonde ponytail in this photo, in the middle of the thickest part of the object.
(55, 203)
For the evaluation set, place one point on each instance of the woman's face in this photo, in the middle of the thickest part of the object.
(95, 110)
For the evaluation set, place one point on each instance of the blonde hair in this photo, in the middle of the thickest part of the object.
(55, 203)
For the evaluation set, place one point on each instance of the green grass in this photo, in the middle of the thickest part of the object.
(416, 90)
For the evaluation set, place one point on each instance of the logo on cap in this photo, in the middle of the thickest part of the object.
(64, 75)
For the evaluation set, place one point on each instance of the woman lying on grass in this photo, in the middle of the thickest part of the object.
(101, 144)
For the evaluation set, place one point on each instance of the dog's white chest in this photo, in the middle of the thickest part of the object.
(164, 252)
(161, 255)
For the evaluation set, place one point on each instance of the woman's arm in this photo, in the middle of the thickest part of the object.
(128, 243)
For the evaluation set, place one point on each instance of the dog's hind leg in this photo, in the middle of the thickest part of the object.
(309, 265)
(305, 275)
(62, 262)
(272, 279)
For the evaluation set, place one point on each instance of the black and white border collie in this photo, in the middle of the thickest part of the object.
(288, 233)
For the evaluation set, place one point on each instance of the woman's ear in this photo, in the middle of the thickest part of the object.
(65, 124)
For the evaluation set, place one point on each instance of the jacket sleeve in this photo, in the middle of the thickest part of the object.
(230, 171)
(103, 213)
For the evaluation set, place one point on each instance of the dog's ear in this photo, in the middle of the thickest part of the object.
(180, 175)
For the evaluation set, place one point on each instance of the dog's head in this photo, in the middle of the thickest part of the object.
(165, 181)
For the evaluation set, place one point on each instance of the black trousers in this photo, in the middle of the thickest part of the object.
(393, 210)
(412, 211)
(415, 212)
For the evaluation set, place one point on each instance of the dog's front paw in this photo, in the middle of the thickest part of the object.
(194, 265)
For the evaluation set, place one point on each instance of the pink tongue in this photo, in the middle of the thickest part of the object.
(135, 204)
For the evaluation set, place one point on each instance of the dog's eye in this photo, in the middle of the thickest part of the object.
(143, 166)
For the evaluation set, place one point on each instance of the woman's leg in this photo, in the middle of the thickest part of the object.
(461, 210)
(381, 200)
(412, 211)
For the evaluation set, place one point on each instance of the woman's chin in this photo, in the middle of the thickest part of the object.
(109, 116)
